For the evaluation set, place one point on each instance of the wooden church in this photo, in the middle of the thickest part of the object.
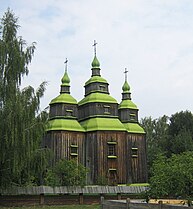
(97, 131)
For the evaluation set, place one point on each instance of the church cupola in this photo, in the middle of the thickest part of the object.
(98, 110)
(126, 88)
(95, 63)
(63, 109)
(65, 86)
(128, 111)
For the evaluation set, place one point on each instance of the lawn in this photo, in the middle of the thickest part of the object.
(57, 207)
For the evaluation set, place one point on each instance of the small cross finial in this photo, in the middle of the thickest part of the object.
(95, 43)
(66, 64)
(126, 71)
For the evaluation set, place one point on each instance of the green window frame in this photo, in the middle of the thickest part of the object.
(112, 150)
(106, 109)
(134, 152)
(73, 150)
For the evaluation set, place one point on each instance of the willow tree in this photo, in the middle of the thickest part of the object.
(21, 123)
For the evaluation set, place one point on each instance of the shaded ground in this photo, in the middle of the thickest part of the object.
(57, 207)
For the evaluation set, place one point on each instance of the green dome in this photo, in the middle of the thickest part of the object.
(64, 98)
(126, 87)
(102, 124)
(97, 97)
(64, 124)
(65, 79)
(94, 79)
(127, 103)
(95, 63)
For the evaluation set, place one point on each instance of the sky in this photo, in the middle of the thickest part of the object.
(153, 39)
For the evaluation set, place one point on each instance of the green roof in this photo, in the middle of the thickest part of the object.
(97, 97)
(64, 98)
(64, 124)
(127, 103)
(95, 63)
(103, 124)
(94, 79)
(134, 128)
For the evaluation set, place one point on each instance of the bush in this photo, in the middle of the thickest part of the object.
(67, 173)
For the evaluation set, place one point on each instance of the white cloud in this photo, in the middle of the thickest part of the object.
(152, 38)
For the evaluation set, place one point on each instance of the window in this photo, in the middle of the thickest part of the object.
(112, 149)
(102, 87)
(69, 112)
(134, 152)
(132, 116)
(73, 150)
(106, 109)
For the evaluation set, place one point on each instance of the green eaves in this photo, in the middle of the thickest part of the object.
(64, 98)
(65, 125)
(127, 104)
(134, 128)
(103, 124)
(94, 79)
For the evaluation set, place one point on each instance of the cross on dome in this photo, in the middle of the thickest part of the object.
(126, 71)
(94, 45)
(66, 64)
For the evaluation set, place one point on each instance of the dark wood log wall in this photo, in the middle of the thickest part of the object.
(96, 86)
(61, 110)
(138, 159)
(93, 153)
(96, 109)
(60, 143)
(128, 169)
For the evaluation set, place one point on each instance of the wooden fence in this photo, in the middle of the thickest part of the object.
(37, 190)
(44, 195)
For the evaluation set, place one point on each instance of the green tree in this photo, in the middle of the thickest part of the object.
(172, 176)
(22, 124)
(180, 133)
(156, 136)
(67, 173)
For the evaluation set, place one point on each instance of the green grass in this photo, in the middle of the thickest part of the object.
(57, 207)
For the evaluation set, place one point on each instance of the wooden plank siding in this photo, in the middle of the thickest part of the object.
(58, 110)
(128, 169)
(60, 143)
(96, 109)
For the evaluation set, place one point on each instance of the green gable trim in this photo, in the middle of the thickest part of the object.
(97, 97)
(134, 128)
(127, 103)
(102, 124)
(64, 98)
(64, 125)
(96, 79)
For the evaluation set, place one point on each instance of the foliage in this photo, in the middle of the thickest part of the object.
(67, 173)
(172, 176)
(180, 133)
(22, 126)
(156, 136)
(168, 135)
(102, 180)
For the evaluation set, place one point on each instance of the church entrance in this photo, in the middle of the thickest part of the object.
(112, 177)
